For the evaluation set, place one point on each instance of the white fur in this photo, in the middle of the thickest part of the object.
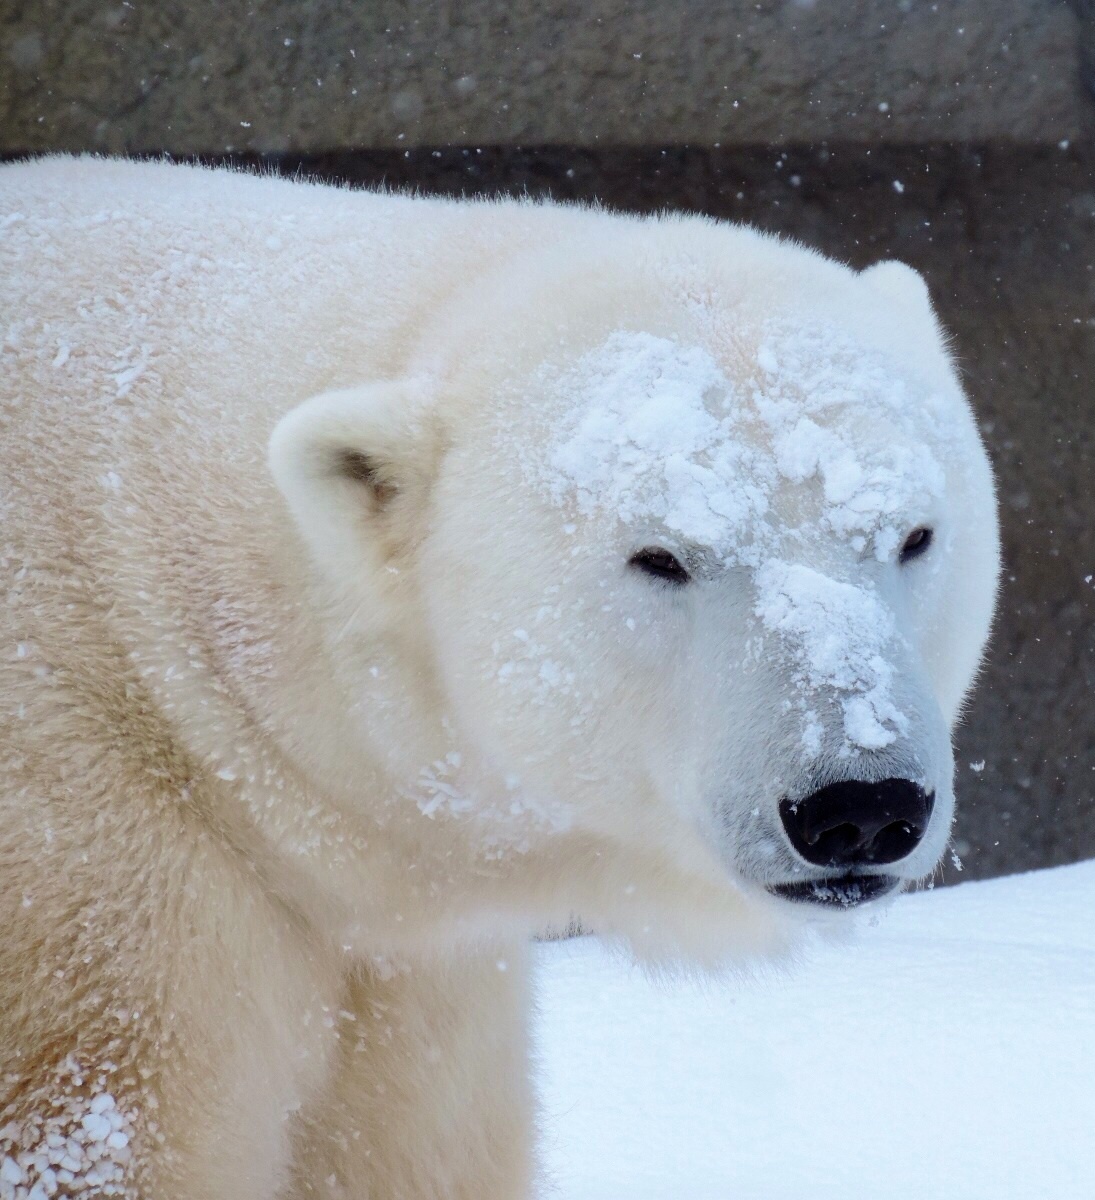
(296, 763)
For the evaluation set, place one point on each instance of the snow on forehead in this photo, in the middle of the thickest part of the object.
(652, 437)
(657, 431)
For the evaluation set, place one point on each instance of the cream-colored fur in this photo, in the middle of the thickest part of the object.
(273, 838)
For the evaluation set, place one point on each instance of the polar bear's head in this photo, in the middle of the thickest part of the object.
(691, 543)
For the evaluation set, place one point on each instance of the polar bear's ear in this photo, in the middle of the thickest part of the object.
(355, 467)
(901, 285)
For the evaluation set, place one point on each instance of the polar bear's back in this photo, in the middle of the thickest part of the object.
(115, 274)
(156, 321)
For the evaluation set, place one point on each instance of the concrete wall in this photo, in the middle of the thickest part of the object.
(207, 76)
(980, 171)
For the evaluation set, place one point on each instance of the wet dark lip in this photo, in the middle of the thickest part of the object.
(843, 891)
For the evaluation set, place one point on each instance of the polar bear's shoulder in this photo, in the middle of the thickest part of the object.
(91, 186)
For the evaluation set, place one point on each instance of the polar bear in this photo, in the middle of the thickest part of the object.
(389, 580)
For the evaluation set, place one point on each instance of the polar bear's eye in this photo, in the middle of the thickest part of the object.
(660, 563)
(915, 544)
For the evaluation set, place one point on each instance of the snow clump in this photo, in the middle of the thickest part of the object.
(79, 1145)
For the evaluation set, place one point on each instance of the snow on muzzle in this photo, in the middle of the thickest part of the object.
(871, 737)
(840, 637)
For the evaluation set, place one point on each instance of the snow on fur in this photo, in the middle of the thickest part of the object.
(78, 1144)
(662, 436)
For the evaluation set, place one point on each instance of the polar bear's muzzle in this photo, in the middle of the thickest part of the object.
(851, 828)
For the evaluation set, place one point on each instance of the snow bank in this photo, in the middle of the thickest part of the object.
(949, 1054)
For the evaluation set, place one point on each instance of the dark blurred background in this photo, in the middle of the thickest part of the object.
(957, 135)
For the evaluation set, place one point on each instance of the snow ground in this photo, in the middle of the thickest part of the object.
(948, 1053)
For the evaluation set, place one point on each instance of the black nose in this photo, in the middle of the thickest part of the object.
(853, 823)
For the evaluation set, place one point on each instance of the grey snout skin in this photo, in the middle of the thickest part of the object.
(850, 828)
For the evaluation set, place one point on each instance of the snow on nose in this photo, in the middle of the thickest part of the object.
(838, 634)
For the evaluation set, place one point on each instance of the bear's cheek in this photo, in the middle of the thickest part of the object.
(575, 689)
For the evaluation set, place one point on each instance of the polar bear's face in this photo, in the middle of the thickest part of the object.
(725, 589)
(705, 588)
